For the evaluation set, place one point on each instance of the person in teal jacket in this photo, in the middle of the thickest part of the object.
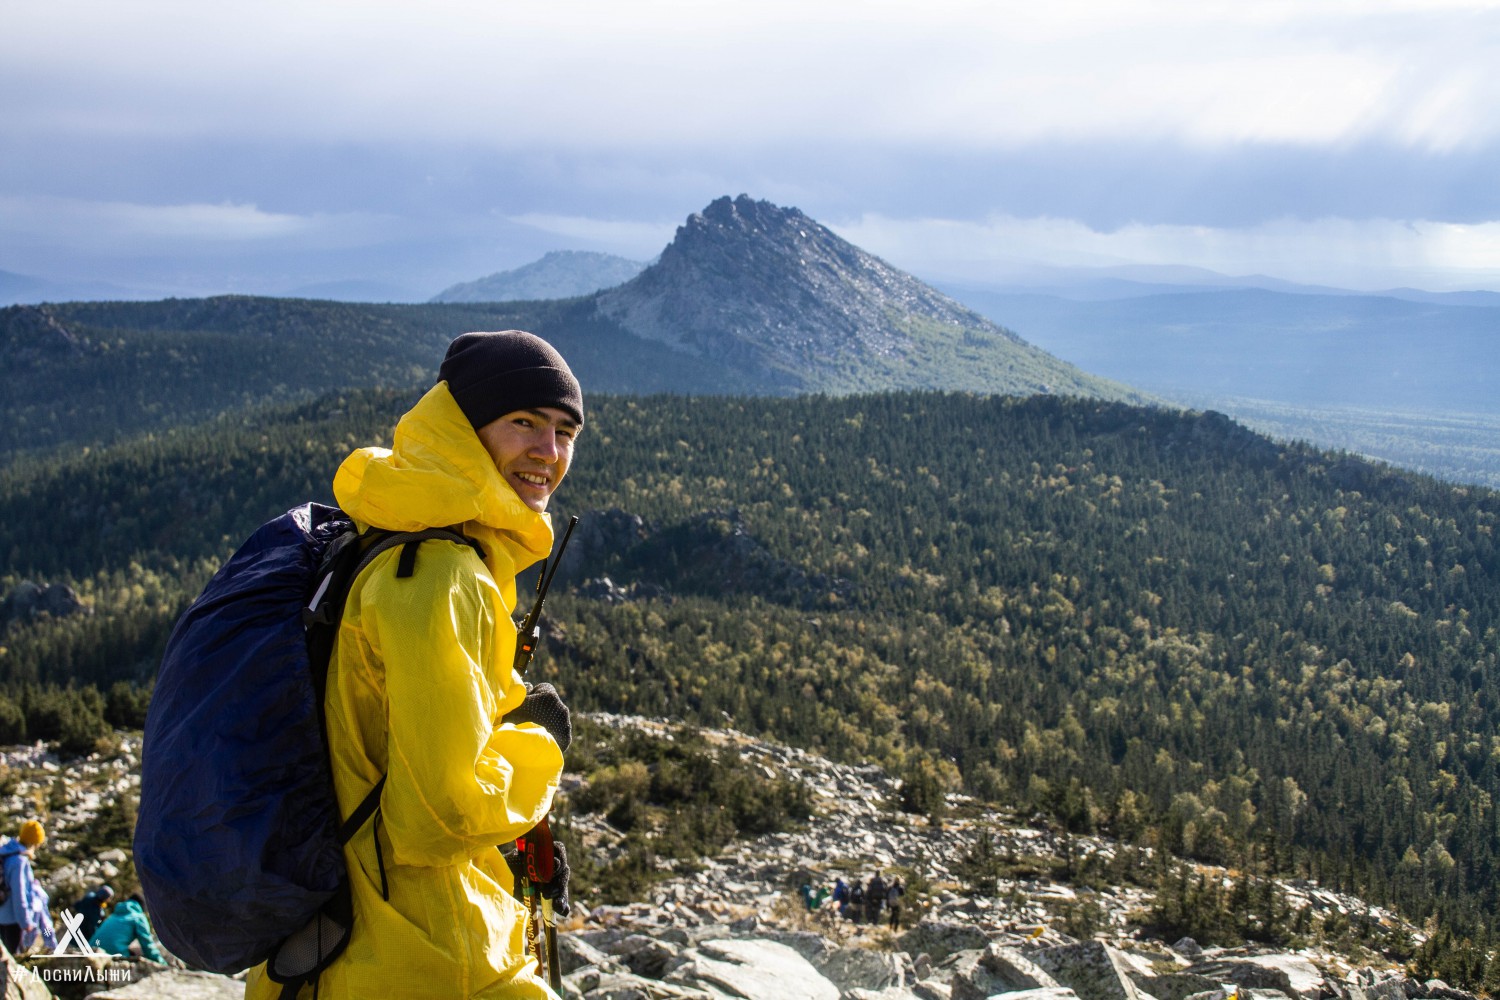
(126, 923)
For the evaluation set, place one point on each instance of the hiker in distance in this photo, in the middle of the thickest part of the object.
(422, 687)
(91, 908)
(128, 925)
(24, 917)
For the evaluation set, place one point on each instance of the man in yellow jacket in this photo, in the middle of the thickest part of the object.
(422, 688)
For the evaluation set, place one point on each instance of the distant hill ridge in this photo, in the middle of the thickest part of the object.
(749, 298)
(1350, 350)
(561, 274)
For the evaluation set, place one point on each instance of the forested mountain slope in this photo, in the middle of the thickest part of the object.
(1150, 623)
(86, 373)
(561, 274)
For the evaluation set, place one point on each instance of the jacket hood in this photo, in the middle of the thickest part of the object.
(126, 907)
(437, 474)
(11, 846)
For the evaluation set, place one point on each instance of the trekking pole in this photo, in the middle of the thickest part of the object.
(530, 631)
(539, 860)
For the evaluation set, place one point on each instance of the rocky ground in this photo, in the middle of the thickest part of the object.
(84, 805)
(736, 925)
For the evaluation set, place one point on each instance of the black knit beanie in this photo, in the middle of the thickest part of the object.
(492, 374)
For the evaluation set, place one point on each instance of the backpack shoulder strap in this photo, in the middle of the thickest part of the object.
(373, 542)
(409, 542)
(362, 812)
(349, 559)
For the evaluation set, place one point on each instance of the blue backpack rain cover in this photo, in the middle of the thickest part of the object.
(238, 842)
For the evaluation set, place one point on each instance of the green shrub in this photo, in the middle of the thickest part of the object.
(125, 705)
(73, 717)
(12, 722)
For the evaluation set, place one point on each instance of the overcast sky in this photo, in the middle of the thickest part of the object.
(269, 146)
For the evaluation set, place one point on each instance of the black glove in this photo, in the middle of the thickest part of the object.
(545, 707)
(557, 888)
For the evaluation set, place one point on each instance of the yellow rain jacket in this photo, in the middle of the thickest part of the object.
(420, 678)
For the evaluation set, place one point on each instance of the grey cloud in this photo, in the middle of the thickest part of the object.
(426, 216)
(1104, 185)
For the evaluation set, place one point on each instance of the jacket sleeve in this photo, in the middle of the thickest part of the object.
(147, 938)
(24, 891)
(458, 781)
(14, 904)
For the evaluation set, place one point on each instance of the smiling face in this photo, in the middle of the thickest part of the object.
(532, 449)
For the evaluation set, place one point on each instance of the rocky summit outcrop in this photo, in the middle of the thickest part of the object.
(754, 960)
(736, 925)
(29, 600)
(768, 292)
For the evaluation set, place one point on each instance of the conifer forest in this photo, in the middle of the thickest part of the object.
(1135, 621)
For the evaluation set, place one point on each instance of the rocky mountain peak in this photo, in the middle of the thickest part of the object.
(768, 290)
(748, 224)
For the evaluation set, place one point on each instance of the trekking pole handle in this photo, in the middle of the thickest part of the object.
(537, 855)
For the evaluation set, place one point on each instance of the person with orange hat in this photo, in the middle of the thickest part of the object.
(24, 918)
